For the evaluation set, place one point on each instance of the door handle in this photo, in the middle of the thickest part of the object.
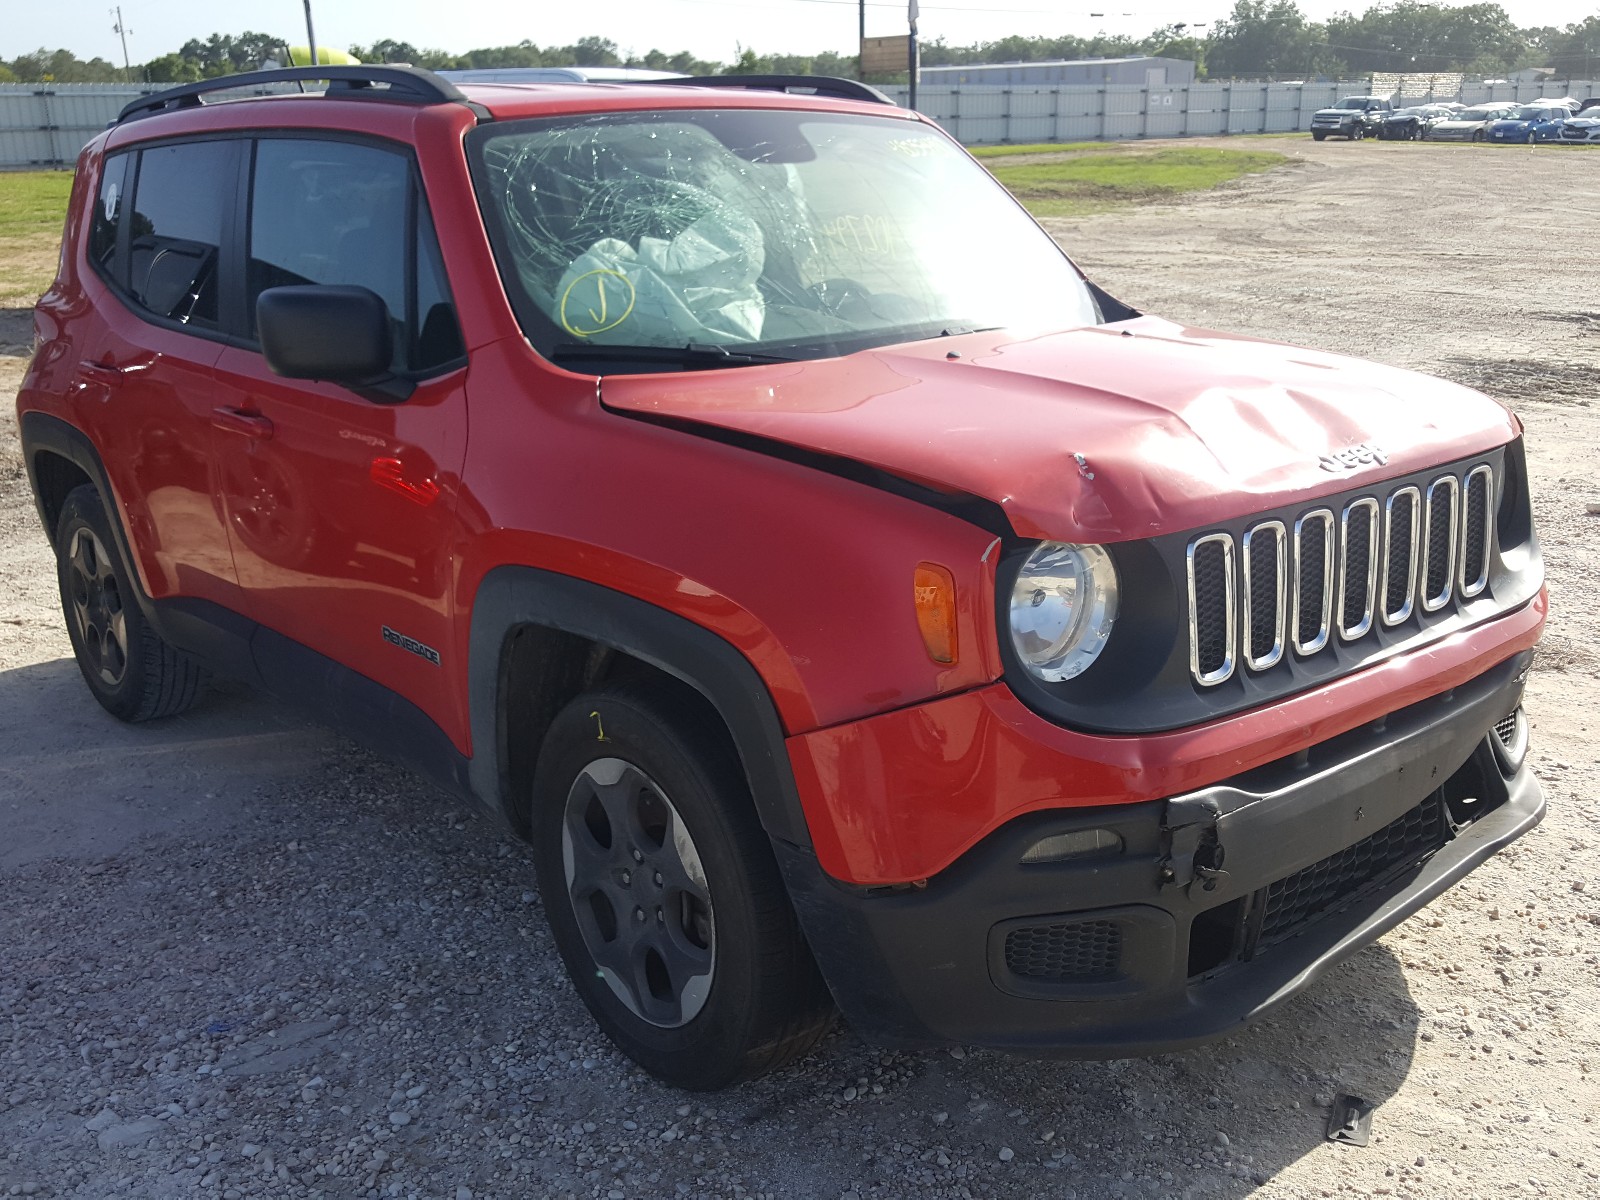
(111, 370)
(236, 420)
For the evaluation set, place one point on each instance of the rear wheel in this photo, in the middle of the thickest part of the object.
(132, 672)
(663, 894)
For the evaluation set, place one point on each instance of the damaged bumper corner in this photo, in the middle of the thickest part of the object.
(1189, 917)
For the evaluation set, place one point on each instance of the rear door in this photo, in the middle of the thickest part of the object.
(341, 508)
(145, 377)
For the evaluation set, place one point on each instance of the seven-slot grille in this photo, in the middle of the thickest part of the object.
(1337, 571)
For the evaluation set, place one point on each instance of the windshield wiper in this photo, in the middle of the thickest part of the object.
(690, 354)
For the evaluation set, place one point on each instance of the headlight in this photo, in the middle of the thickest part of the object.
(1062, 608)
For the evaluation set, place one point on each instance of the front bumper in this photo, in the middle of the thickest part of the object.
(1220, 904)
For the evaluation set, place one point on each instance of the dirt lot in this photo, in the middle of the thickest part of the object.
(240, 957)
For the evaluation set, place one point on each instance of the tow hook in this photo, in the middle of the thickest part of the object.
(1192, 852)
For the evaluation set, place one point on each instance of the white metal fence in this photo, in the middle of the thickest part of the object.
(45, 125)
(1021, 114)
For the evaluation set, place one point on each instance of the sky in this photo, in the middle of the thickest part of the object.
(710, 29)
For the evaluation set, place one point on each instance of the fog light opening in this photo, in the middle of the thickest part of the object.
(1511, 737)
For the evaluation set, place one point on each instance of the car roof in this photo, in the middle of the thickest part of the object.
(510, 101)
(388, 97)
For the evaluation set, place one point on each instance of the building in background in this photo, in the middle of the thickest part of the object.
(1141, 71)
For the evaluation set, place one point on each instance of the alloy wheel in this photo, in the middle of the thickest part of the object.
(97, 608)
(638, 889)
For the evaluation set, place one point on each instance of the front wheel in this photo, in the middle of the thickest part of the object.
(130, 669)
(663, 894)
(1317, 135)
(1359, 132)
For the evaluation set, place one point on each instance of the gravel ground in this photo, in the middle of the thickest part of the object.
(241, 957)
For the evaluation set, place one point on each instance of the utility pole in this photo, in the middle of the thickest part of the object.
(861, 45)
(911, 53)
(122, 32)
(311, 34)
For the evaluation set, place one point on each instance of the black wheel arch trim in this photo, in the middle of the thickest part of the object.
(44, 433)
(41, 432)
(511, 597)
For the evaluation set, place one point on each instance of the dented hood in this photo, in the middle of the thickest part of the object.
(1099, 434)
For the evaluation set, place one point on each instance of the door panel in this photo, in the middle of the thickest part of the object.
(145, 398)
(341, 514)
(145, 385)
(341, 510)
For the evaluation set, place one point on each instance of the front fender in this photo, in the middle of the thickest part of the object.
(512, 596)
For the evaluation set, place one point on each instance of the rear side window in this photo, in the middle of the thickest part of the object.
(330, 212)
(175, 239)
(102, 249)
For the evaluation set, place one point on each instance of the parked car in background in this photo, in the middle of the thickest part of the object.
(1591, 102)
(1470, 124)
(1575, 131)
(1410, 124)
(1530, 123)
(1354, 117)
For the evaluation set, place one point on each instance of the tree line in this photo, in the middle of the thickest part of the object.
(1260, 39)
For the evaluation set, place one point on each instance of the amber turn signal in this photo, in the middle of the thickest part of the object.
(936, 611)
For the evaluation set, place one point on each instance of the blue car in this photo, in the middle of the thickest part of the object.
(1531, 123)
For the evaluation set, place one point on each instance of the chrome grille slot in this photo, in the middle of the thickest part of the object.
(1402, 547)
(1477, 527)
(1441, 520)
(1313, 589)
(1358, 567)
(1212, 630)
(1266, 594)
(1363, 567)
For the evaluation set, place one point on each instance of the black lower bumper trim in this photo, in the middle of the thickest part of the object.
(1218, 907)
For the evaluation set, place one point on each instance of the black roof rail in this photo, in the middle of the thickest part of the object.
(410, 85)
(818, 85)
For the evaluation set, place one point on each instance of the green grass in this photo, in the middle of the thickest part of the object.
(1095, 182)
(33, 206)
(33, 202)
(1046, 148)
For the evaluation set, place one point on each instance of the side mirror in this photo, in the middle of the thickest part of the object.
(330, 332)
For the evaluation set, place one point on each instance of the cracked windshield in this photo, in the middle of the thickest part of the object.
(758, 234)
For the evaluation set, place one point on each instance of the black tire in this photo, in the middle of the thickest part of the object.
(130, 669)
(1317, 135)
(1359, 132)
(765, 1004)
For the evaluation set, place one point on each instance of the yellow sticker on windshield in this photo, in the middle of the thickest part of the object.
(595, 302)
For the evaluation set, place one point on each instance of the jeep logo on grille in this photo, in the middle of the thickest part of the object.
(1359, 455)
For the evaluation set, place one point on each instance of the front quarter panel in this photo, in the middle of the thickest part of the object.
(808, 575)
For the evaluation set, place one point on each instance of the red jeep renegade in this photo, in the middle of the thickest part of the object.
(735, 491)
